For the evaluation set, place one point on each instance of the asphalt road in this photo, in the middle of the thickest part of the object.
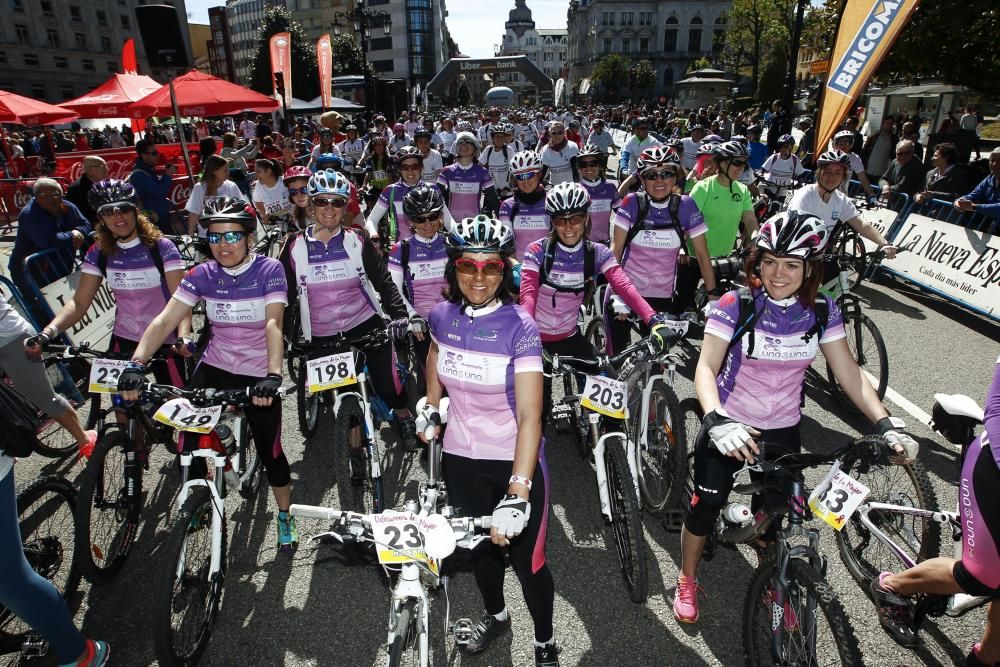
(314, 608)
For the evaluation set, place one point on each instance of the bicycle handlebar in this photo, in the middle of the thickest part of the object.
(375, 339)
(206, 396)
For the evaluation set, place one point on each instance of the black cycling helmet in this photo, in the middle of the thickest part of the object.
(409, 153)
(112, 192)
(230, 209)
(422, 133)
(423, 199)
(785, 140)
(590, 150)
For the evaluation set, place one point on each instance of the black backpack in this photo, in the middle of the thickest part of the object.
(644, 203)
(589, 271)
(749, 313)
(21, 423)
(154, 251)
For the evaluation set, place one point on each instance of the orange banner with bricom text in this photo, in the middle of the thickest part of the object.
(867, 31)
(281, 61)
(324, 58)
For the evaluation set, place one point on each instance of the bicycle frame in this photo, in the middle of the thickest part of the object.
(366, 400)
(216, 487)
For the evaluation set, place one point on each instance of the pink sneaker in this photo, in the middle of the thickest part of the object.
(87, 448)
(686, 599)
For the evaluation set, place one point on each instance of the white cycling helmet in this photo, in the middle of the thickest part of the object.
(793, 234)
(329, 182)
(566, 198)
(655, 158)
(525, 162)
(480, 233)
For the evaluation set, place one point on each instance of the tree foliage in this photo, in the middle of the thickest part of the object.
(612, 71)
(347, 56)
(753, 29)
(771, 84)
(700, 63)
(305, 76)
(645, 75)
(463, 94)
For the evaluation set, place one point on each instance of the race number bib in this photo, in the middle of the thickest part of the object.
(605, 396)
(331, 372)
(399, 538)
(104, 374)
(531, 222)
(178, 413)
(837, 497)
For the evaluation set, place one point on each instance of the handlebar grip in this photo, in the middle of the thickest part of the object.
(314, 512)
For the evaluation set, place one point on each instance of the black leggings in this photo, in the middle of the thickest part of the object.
(381, 362)
(574, 346)
(170, 370)
(621, 329)
(265, 423)
(475, 486)
(688, 277)
(713, 474)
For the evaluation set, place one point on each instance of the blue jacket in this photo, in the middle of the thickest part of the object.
(986, 196)
(153, 189)
(37, 230)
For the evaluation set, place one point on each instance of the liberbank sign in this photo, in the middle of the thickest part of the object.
(472, 67)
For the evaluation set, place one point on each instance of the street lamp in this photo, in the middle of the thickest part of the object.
(364, 21)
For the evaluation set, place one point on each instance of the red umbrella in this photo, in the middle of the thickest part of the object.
(112, 98)
(200, 94)
(26, 111)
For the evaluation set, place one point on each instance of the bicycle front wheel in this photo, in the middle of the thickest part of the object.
(45, 510)
(352, 468)
(71, 380)
(807, 627)
(249, 470)
(405, 648)
(307, 403)
(186, 597)
(852, 249)
(626, 520)
(868, 349)
(108, 511)
(595, 333)
(663, 457)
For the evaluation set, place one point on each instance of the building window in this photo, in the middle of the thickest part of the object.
(607, 46)
(694, 34)
(719, 34)
(62, 62)
(47, 10)
(102, 18)
(22, 33)
(74, 13)
(81, 41)
(67, 92)
(643, 45)
(380, 44)
(627, 18)
(87, 64)
(53, 36)
(626, 45)
(126, 24)
(38, 91)
(105, 44)
(607, 18)
(383, 66)
(670, 36)
(668, 77)
(547, 56)
(31, 59)
(645, 18)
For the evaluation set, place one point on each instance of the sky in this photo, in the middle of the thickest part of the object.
(475, 26)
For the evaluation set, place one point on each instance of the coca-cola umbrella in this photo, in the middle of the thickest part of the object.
(25, 111)
(112, 98)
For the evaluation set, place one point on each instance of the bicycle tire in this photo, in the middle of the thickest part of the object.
(595, 334)
(665, 459)
(169, 650)
(876, 360)
(353, 490)
(691, 415)
(46, 516)
(852, 248)
(626, 520)
(759, 616)
(53, 440)
(107, 516)
(308, 404)
(250, 469)
(576, 431)
(909, 485)
(407, 636)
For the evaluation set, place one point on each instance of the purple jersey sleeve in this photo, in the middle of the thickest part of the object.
(90, 261)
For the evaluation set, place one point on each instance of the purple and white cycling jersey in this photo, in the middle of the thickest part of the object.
(465, 185)
(424, 278)
(765, 390)
(603, 198)
(235, 305)
(337, 299)
(650, 260)
(478, 357)
(140, 292)
(529, 224)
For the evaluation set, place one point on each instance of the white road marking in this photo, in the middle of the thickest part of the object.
(900, 400)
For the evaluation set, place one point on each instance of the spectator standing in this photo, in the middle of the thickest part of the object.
(94, 169)
(263, 128)
(237, 158)
(779, 126)
(985, 197)
(946, 180)
(248, 128)
(910, 132)
(968, 123)
(877, 152)
(905, 174)
(153, 187)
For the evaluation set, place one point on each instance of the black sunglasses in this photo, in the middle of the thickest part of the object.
(323, 203)
(590, 163)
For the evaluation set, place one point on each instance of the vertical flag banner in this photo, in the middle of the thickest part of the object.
(281, 61)
(324, 56)
(129, 64)
(867, 31)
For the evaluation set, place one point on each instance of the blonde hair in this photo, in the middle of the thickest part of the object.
(106, 242)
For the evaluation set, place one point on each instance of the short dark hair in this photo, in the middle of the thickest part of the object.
(142, 146)
(948, 152)
(452, 293)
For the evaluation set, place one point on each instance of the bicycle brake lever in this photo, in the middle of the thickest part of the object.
(322, 536)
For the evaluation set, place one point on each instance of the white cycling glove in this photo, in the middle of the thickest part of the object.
(618, 307)
(903, 446)
(510, 516)
(726, 434)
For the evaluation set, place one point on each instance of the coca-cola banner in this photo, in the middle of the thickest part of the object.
(281, 61)
(324, 56)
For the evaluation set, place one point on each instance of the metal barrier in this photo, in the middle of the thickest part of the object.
(945, 211)
(40, 270)
(13, 295)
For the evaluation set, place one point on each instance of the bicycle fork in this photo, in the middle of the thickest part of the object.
(602, 473)
(218, 461)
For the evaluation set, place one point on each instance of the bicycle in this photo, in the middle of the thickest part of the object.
(46, 517)
(195, 549)
(412, 544)
(636, 447)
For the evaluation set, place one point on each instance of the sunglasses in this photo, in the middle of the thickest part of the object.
(489, 267)
(590, 163)
(324, 202)
(659, 175)
(421, 219)
(232, 238)
(526, 177)
(115, 209)
(410, 167)
(738, 163)
(304, 190)
(569, 220)
(153, 153)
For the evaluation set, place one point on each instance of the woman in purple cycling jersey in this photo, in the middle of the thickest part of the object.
(978, 571)
(750, 375)
(486, 352)
(245, 295)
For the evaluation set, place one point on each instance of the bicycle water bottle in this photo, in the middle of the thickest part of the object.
(737, 513)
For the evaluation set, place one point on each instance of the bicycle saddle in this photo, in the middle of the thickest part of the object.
(960, 405)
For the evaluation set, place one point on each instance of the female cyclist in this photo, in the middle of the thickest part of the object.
(465, 181)
(750, 386)
(558, 156)
(592, 163)
(486, 353)
(524, 212)
(245, 296)
(649, 228)
(296, 179)
(411, 164)
(335, 273)
(270, 196)
(214, 183)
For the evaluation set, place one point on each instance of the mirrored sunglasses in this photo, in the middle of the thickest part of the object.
(231, 238)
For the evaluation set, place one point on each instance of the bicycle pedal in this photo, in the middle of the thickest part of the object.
(673, 521)
(461, 631)
(34, 647)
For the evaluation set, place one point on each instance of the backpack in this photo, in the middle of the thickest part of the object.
(589, 270)
(644, 204)
(21, 423)
(749, 313)
(154, 252)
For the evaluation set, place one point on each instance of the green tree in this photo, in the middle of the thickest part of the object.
(305, 77)
(700, 63)
(611, 72)
(347, 56)
(645, 75)
(771, 85)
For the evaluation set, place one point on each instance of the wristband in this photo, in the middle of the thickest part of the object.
(518, 479)
(889, 424)
(49, 328)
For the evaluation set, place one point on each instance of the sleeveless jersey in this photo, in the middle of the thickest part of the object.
(555, 312)
(423, 276)
(477, 360)
(530, 224)
(465, 185)
(603, 198)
